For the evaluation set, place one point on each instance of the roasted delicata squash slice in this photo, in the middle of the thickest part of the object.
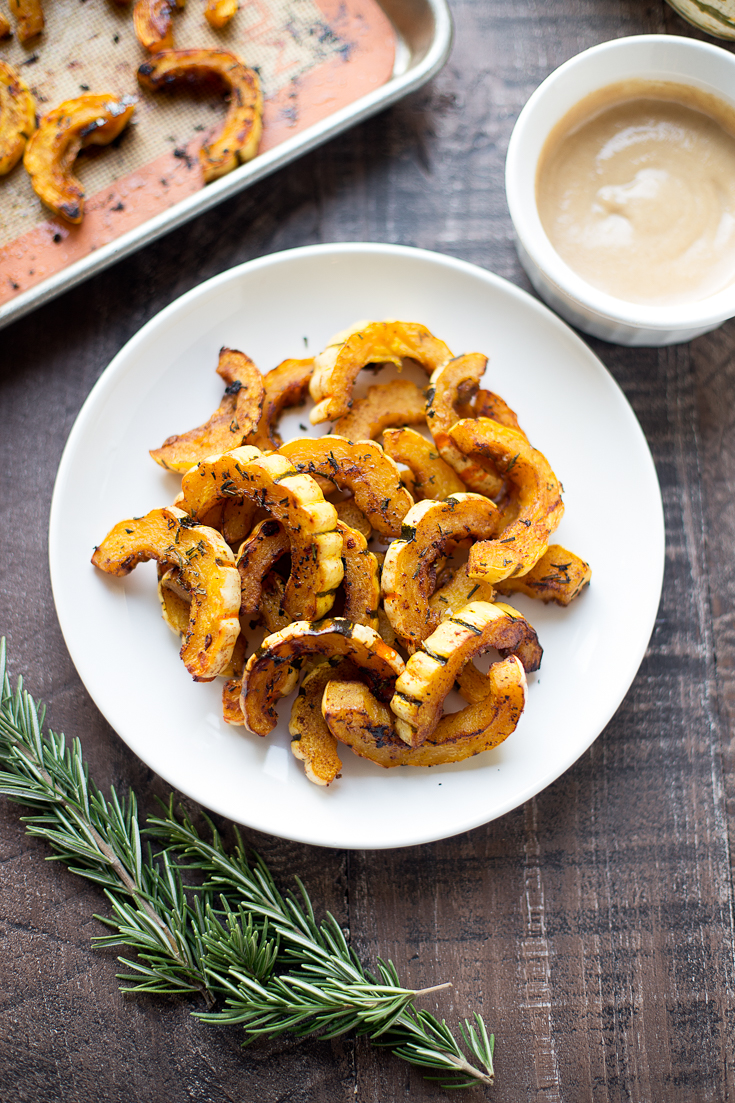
(448, 399)
(558, 576)
(266, 672)
(386, 629)
(336, 368)
(363, 723)
(206, 570)
(457, 592)
(489, 404)
(311, 740)
(295, 500)
(174, 599)
(17, 117)
(52, 149)
(430, 531)
(267, 543)
(240, 136)
(218, 13)
(236, 417)
(238, 521)
(273, 592)
(363, 469)
(361, 579)
(399, 402)
(231, 711)
(4, 27)
(273, 617)
(232, 689)
(472, 684)
(431, 671)
(432, 477)
(153, 24)
(285, 386)
(29, 18)
(236, 664)
(535, 493)
(348, 512)
(176, 609)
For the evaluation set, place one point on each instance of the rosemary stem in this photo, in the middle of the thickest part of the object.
(434, 988)
(464, 1066)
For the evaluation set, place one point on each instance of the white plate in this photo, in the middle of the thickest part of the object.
(163, 381)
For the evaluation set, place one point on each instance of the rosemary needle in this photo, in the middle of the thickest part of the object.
(259, 959)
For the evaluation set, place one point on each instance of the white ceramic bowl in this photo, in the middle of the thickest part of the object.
(646, 57)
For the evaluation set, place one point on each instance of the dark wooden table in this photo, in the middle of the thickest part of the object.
(592, 927)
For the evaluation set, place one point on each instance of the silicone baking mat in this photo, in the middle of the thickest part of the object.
(313, 56)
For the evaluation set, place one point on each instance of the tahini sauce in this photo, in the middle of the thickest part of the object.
(635, 189)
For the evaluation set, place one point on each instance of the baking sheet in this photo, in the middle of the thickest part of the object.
(323, 64)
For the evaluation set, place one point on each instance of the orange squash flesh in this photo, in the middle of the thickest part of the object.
(336, 368)
(430, 530)
(29, 18)
(285, 386)
(348, 512)
(356, 718)
(558, 576)
(206, 569)
(311, 740)
(296, 501)
(240, 135)
(237, 415)
(361, 581)
(457, 592)
(536, 493)
(258, 554)
(432, 670)
(361, 468)
(218, 13)
(488, 404)
(399, 402)
(265, 672)
(433, 476)
(52, 149)
(17, 117)
(153, 23)
(448, 399)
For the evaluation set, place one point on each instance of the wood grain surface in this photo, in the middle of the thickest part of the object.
(592, 927)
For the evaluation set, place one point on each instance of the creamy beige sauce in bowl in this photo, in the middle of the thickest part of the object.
(635, 189)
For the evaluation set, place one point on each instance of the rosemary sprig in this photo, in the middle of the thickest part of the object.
(234, 937)
(325, 987)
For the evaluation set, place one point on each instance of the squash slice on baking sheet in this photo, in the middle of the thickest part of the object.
(17, 117)
(153, 23)
(62, 132)
(29, 18)
(239, 137)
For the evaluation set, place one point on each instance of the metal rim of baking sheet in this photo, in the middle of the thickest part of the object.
(417, 62)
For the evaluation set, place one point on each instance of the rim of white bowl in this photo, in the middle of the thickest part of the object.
(705, 312)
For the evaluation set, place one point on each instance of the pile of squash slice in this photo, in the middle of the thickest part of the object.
(273, 536)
